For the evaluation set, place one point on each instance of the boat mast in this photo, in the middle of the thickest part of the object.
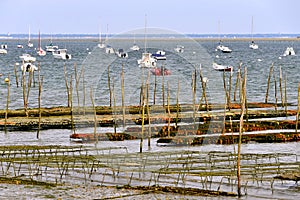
(252, 31)
(145, 33)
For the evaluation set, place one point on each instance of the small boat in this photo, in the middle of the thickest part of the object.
(159, 55)
(50, 47)
(109, 49)
(3, 51)
(147, 61)
(28, 67)
(29, 44)
(3, 46)
(160, 71)
(252, 45)
(222, 67)
(223, 48)
(179, 49)
(27, 58)
(40, 51)
(135, 47)
(61, 54)
(120, 53)
(19, 46)
(289, 52)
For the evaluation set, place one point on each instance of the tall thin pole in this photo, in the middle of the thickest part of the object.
(298, 109)
(269, 80)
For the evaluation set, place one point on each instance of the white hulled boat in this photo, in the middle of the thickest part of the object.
(252, 45)
(29, 44)
(135, 47)
(50, 47)
(61, 54)
(28, 67)
(147, 61)
(40, 51)
(222, 67)
(3, 51)
(179, 49)
(121, 53)
(289, 52)
(27, 58)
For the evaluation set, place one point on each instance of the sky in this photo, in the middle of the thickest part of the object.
(121, 16)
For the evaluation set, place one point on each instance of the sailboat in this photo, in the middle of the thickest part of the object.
(221, 47)
(101, 45)
(108, 49)
(252, 45)
(29, 44)
(147, 60)
(50, 47)
(40, 51)
(135, 47)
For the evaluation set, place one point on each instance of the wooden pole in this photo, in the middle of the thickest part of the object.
(109, 88)
(40, 80)
(169, 112)
(16, 74)
(123, 96)
(275, 92)
(163, 89)
(298, 109)
(7, 102)
(71, 104)
(242, 97)
(194, 96)
(177, 103)
(77, 78)
(237, 82)
(24, 91)
(280, 85)
(269, 80)
(143, 118)
(154, 92)
(83, 87)
(148, 112)
(67, 84)
(285, 95)
(95, 115)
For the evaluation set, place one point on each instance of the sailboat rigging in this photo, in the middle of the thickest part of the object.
(252, 45)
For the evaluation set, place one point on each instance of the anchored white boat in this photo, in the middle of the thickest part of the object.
(27, 58)
(29, 44)
(50, 47)
(160, 55)
(179, 49)
(289, 52)
(135, 47)
(222, 67)
(109, 49)
(61, 54)
(121, 53)
(19, 46)
(3, 51)
(40, 51)
(223, 48)
(252, 45)
(28, 67)
(147, 61)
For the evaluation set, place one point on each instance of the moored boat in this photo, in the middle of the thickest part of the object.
(27, 58)
(147, 61)
(160, 71)
(222, 67)
(159, 55)
(61, 54)
(289, 52)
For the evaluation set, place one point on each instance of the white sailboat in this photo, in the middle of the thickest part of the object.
(29, 44)
(101, 45)
(40, 51)
(108, 49)
(222, 47)
(135, 47)
(50, 47)
(147, 60)
(252, 45)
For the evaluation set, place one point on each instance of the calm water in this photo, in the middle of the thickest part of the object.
(93, 63)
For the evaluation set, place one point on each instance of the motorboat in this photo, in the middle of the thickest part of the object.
(27, 58)
(289, 52)
(61, 54)
(147, 61)
(50, 47)
(19, 46)
(135, 47)
(159, 55)
(109, 49)
(121, 54)
(3, 51)
(222, 67)
(179, 49)
(253, 45)
(223, 48)
(160, 71)
(3, 46)
(28, 67)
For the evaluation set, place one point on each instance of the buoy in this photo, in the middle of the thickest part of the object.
(6, 80)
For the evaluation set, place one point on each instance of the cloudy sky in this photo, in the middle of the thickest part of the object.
(183, 16)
